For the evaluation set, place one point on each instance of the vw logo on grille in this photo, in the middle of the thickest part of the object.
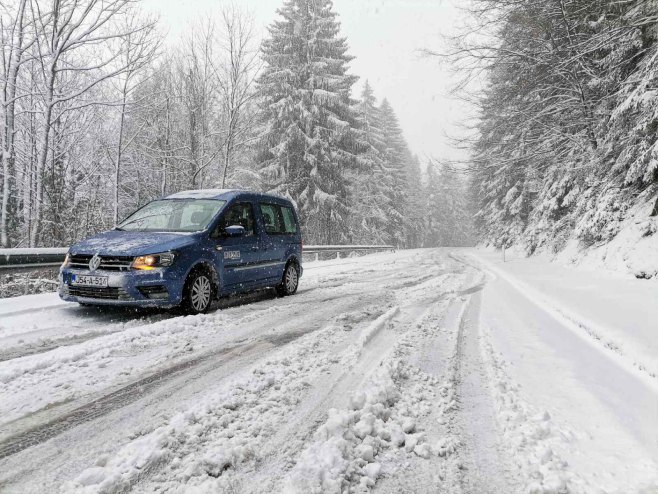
(94, 262)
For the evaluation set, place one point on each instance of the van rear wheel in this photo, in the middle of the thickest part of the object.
(290, 280)
(198, 293)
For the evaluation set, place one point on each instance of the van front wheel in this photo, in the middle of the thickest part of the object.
(198, 293)
(290, 280)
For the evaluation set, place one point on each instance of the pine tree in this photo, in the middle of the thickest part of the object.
(448, 221)
(414, 210)
(369, 180)
(433, 206)
(310, 123)
(567, 133)
(397, 158)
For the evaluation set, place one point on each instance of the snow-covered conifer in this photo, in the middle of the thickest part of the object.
(310, 138)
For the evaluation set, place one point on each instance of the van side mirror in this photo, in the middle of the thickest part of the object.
(235, 230)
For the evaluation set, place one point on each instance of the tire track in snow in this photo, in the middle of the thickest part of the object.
(48, 344)
(378, 343)
(332, 391)
(466, 462)
(261, 392)
(184, 388)
(483, 467)
(77, 325)
(356, 362)
(318, 297)
(125, 395)
(432, 353)
(136, 390)
(127, 318)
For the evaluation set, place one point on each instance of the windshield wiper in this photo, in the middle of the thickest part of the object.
(136, 220)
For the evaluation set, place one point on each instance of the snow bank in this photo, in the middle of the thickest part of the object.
(102, 347)
(589, 304)
(530, 435)
(68, 372)
(633, 251)
(383, 414)
(217, 433)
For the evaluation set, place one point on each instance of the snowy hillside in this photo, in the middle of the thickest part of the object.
(565, 155)
(633, 250)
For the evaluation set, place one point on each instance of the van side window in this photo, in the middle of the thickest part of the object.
(289, 223)
(278, 219)
(272, 218)
(239, 214)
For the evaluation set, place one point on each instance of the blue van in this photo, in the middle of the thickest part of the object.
(187, 249)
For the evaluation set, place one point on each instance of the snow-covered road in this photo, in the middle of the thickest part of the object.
(414, 371)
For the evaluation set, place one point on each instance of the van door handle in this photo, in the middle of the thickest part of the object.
(255, 247)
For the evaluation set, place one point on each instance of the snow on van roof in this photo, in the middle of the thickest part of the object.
(217, 193)
(200, 194)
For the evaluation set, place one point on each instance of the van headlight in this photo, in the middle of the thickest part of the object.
(153, 261)
(67, 260)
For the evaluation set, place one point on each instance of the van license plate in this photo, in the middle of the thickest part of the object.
(77, 279)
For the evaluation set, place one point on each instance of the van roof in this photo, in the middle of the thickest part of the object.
(225, 194)
(202, 194)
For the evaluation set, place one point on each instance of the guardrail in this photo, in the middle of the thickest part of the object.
(339, 249)
(31, 259)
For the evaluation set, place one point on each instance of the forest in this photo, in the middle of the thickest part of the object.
(100, 114)
(565, 141)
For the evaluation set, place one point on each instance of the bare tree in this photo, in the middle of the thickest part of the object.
(139, 48)
(236, 76)
(12, 34)
(198, 91)
(87, 101)
(76, 42)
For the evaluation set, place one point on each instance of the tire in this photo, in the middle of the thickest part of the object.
(290, 280)
(198, 293)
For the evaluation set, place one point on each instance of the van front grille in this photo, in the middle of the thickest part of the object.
(109, 263)
(105, 293)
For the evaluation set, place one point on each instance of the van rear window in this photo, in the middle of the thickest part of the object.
(278, 220)
(289, 223)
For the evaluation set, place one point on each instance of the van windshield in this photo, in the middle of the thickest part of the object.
(173, 215)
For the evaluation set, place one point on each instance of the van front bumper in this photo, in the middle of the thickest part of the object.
(160, 287)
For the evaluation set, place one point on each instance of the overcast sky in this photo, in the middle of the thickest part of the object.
(385, 36)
